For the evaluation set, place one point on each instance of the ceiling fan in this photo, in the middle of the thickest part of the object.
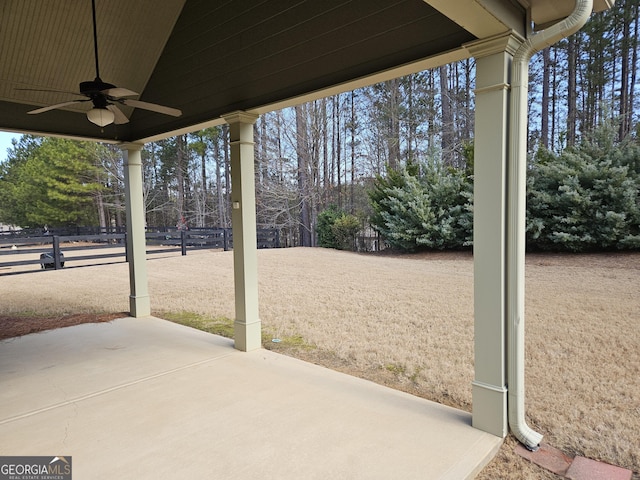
(105, 96)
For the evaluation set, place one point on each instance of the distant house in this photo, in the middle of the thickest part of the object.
(8, 228)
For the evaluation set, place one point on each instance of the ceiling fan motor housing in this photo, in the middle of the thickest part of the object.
(96, 86)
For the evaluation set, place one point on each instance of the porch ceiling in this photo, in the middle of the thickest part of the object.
(209, 58)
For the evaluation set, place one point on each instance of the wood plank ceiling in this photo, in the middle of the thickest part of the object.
(204, 57)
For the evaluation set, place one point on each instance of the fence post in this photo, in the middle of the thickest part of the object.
(183, 242)
(126, 248)
(225, 239)
(56, 252)
(277, 238)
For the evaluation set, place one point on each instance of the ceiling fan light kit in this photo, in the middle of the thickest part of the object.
(101, 116)
(105, 96)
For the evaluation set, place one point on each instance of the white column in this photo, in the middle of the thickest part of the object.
(493, 68)
(139, 304)
(247, 326)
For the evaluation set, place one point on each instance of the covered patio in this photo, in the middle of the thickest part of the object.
(231, 62)
(152, 399)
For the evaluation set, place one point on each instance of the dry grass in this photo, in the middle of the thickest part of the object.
(408, 322)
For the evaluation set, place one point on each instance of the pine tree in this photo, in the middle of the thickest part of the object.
(50, 181)
(586, 198)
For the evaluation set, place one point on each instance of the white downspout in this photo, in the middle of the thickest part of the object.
(516, 194)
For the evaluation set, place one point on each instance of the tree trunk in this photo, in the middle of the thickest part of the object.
(634, 58)
(411, 117)
(227, 176)
(468, 110)
(220, 200)
(202, 208)
(303, 181)
(626, 109)
(101, 213)
(353, 151)
(180, 171)
(544, 105)
(337, 144)
(326, 182)
(393, 138)
(572, 117)
(447, 138)
(431, 110)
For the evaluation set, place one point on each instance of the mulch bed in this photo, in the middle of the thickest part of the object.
(17, 326)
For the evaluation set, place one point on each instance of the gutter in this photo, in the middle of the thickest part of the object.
(516, 215)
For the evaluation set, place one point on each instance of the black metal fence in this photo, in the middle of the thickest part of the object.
(45, 249)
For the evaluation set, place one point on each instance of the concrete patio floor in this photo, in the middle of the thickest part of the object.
(149, 399)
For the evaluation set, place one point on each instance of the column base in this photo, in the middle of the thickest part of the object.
(139, 306)
(247, 336)
(489, 410)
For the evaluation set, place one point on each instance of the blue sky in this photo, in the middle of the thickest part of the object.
(5, 143)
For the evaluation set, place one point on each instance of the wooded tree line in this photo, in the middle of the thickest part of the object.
(328, 153)
(586, 80)
(585, 198)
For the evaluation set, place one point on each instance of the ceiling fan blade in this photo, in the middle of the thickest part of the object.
(53, 107)
(153, 107)
(48, 90)
(120, 117)
(119, 92)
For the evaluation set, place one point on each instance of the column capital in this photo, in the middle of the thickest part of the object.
(505, 42)
(132, 154)
(131, 146)
(240, 116)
